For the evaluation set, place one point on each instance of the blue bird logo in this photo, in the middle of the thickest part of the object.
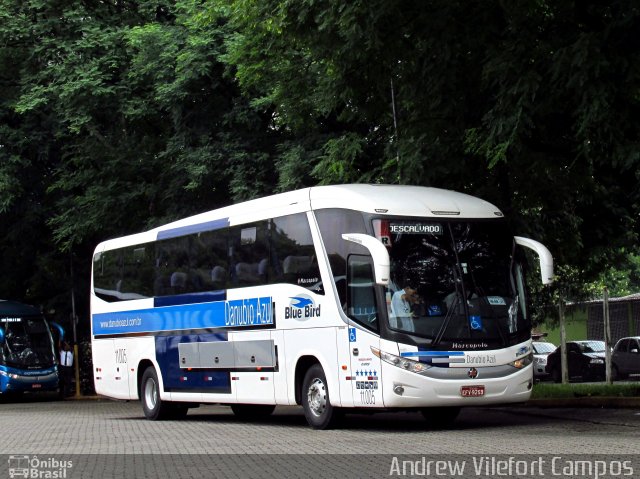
(300, 302)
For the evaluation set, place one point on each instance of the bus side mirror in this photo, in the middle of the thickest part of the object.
(379, 254)
(60, 330)
(544, 255)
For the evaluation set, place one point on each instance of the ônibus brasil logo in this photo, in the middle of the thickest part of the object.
(301, 308)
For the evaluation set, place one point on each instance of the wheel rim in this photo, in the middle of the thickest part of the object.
(150, 393)
(317, 397)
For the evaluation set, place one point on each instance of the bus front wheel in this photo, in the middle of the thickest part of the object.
(318, 411)
(154, 408)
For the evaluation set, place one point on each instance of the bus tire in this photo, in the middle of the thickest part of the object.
(440, 417)
(154, 408)
(318, 411)
(252, 411)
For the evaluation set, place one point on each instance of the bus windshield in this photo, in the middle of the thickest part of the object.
(454, 283)
(28, 343)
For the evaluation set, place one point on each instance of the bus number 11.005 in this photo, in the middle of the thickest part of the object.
(121, 356)
(367, 397)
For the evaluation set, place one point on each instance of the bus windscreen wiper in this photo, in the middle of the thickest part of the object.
(447, 319)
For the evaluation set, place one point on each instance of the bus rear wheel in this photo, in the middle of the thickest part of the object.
(154, 408)
(318, 411)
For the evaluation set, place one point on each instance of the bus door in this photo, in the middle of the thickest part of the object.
(363, 333)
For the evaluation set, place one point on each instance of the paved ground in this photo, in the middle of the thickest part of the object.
(118, 432)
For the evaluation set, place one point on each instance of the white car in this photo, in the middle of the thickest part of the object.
(626, 357)
(541, 350)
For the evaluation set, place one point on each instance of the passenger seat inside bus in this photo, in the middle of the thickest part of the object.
(252, 273)
(219, 277)
(178, 282)
(296, 264)
(293, 267)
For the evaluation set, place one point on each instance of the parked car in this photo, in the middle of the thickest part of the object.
(626, 358)
(585, 359)
(541, 349)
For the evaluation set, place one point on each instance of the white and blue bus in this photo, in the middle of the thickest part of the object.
(336, 298)
(27, 354)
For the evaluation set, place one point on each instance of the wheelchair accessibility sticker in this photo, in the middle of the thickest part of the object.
(352, 335)
(475, 322)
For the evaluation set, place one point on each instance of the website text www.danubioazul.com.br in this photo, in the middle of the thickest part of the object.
(512, 466)
(119, 323)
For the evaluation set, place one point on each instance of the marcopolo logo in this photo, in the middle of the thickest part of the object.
(301, 308)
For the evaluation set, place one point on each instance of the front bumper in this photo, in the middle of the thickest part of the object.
(404, 389)
(12, 380)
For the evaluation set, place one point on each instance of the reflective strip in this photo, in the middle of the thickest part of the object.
(190, 229)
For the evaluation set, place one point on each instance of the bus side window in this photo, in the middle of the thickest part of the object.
(333, 223)
(108, 274)
(293, 254)
(249, 258)
(361, 300)
(210, 254)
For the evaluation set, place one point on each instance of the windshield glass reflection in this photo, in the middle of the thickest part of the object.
(454, 281)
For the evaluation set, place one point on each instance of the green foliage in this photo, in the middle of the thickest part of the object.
(620, 280)
(560, 391)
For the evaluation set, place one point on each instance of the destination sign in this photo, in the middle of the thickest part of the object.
(416, 228)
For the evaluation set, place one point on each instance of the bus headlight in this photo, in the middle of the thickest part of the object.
(522, 362)
(402, 363)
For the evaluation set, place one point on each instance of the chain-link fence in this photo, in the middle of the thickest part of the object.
(624, 318)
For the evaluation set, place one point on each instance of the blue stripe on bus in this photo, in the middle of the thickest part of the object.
(190, 298)
(183, 380)
(190, 229)
(241, 313)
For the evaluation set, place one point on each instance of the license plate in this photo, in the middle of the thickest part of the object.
(36, 386)
(471, 391)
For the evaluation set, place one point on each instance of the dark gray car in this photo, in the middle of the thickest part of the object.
(585, 360)
(626, 357)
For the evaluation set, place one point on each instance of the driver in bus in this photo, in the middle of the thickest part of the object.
(406, 305)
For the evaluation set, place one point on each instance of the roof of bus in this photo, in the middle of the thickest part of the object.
(396, 200)
(402, 200)
(18, 309)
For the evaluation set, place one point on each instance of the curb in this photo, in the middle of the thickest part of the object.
(604, 402)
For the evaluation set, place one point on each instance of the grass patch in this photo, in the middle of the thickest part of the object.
(554, 391)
